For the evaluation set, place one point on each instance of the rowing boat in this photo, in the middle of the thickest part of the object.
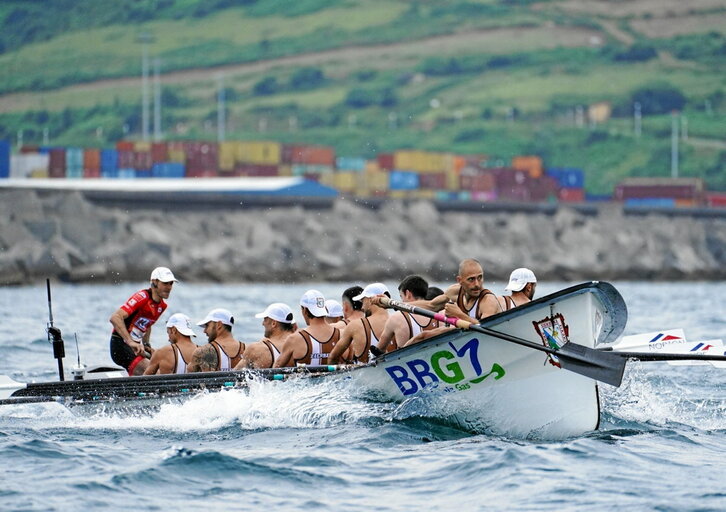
(532, 371)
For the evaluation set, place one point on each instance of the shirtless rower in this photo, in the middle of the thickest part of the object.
(222, 352)
(174, 357)
(279, 323)
(313, 344)
(352, 309)
(402, 325)
(130, 338)
(358, 337)
(522, 283)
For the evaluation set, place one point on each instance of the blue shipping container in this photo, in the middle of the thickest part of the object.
(567, 177)
(4, 158)
(168, 170)
(126, 173)
(347, 163)
(651, 202)
(144, 173)
(402, 180)
(109, 163)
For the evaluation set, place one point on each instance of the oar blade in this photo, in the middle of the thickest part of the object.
(607, 367)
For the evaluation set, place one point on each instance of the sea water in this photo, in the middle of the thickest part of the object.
(322, 446)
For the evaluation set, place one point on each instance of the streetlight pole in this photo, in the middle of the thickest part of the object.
(674, 144)
(144, 38)
(157, 100)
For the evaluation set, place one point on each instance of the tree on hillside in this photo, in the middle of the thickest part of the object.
(266, 86)
(307, 78)
(659, 99)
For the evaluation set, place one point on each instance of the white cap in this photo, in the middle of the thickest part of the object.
(163, 274)
(279, 312)
(314, 301)
(182, 324)
(218, 315)
(519, 279)
(372, 290)
(334, 308)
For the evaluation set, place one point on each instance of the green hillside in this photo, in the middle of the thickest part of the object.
(497, 77)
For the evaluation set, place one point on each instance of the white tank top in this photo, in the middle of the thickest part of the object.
(181, 364)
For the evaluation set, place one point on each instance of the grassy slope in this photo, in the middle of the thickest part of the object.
(556, 68)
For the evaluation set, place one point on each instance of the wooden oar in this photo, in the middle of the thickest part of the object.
(605, 367)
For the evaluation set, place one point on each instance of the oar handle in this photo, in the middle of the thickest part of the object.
(441, 317)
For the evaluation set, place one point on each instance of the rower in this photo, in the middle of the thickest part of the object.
(522, 283)
(358, 337)
(401, 325)
(279, 323)
(222, 352)
(335, 311)
(312, 345)
(130, 338)
(174, 357)
(352, 309)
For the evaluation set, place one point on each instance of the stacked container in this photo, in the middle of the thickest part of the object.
(201, 159)
(4, 158)
(684, 192)
(92, 163)
(109, 163)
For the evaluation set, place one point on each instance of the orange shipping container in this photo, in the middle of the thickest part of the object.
(159, 152)
(310, 155)
(92, 159)
(125, 145)
(531, 164)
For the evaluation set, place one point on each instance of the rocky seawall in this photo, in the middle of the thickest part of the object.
(63, 236)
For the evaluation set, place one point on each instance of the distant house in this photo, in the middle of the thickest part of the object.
(599, 112)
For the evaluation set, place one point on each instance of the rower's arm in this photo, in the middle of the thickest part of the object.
(346, 338)
(388, 334)
(288, 351)
(489, 306)
(204, 359)
(156, 363)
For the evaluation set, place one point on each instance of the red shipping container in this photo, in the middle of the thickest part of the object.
(26, 149)
(543, 188)
(57, 163)
(256, 170)
(311, 176)
(624, 192)
(92, 159)
(142, 160)
(571, 195)
(385, 161)
(125, 159)
(514, 193)
(91, 172)
(308, 155)
(478, 182)
(159, 152)
(200, 172)
(125, 145)
(201, 155)
(716, 199)
(432, 181)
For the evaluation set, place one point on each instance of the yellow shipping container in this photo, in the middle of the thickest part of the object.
(284, 170)
(400, 194)
(424, 194)
(372, 166)
(227, 155)
(177, 155)
(376, 180)
(346, 181)
(327, 179)
(453, 181)
(142, 146)
(261, 152)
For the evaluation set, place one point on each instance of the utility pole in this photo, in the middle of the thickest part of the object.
(221, 118)
(144, 38)
(637, 117)
(157, 100)
(674, 144)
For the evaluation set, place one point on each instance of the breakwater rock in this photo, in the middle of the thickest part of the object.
(63, 236)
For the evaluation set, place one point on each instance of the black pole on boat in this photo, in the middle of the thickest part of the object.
(54, 336)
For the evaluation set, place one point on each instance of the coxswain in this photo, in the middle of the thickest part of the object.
(222, 352)
(278, 322)
(174, 357)
(312, 345)
(130, 340)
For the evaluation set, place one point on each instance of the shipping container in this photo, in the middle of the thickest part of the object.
(651, 202)
(385, 161)
(74, 163)
(57, 163)
(716, 199)
(201, 158)
(125, 159)
(4, 158)
(159, 152)
(301, 170)
(168, 170)
(142, 160)
(571, 195)
(227, 155)
(29, 148)
(544, 189)
(669, 190)
(567, 177)
(483, 196)
(126, 174)
(28, 165)
(144, 173)
(256, 170)
(309, 155)
(420, 161)
(142, 146)
(175, 151)
(376, 182)
(200, 172)
(259, 152)
(347, 163)
(530, 164)
(483, 181)
(92, 163)
(124, 145)
(433, 181)
(403, 180)
(109, 163)
(346, 181)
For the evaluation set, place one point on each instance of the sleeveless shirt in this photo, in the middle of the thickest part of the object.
(225, 362)
(317, 351)
(473, 311)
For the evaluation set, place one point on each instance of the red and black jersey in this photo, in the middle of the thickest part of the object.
(143, 313)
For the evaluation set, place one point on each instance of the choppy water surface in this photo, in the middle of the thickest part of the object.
(293, 446)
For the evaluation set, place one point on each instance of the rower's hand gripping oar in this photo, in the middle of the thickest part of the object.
(606, 367)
